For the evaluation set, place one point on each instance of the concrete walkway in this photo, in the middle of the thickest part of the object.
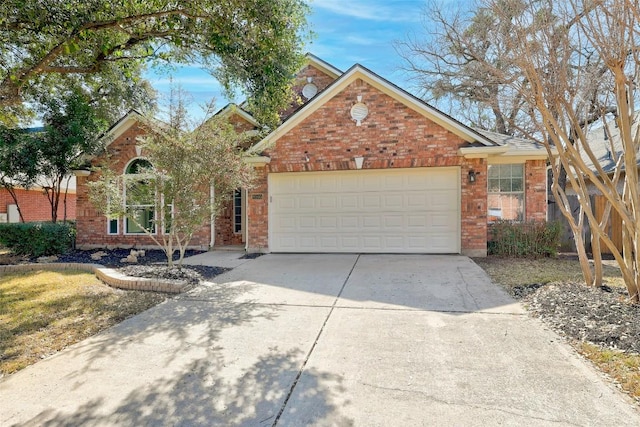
(326, 340)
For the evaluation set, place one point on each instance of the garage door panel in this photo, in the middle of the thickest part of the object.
(399, 210)
(305, 222)
(417, 200)
(371, 201)
(349, 222)
(306, 202)
(441, 200)
(394, 222)
(417, 222)
(349, 201)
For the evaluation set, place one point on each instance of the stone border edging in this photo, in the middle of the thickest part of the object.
(109, 276)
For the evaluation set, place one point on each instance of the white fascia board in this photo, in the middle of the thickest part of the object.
(235, 109)
(482, 152)
(325, 67)
(122, 126)
(257, 161)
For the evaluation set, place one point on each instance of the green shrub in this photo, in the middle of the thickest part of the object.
(38, 238)
(524, 239)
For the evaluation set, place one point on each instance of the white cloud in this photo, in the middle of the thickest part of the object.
(396, 11)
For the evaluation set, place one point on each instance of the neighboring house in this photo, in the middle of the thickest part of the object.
(359, 166)
(606, 146)
(35, 206)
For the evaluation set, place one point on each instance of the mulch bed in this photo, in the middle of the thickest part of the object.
(152, 265)
(602, 316)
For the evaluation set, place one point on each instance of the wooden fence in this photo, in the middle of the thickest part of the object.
(613, 228)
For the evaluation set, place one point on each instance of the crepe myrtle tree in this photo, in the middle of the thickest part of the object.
(169, 194)
(580, 60)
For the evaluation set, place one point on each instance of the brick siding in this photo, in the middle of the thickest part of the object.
(392, 136)
(92, 226)
(35, 205)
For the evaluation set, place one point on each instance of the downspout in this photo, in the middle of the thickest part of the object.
(246, 221)
(212, 196)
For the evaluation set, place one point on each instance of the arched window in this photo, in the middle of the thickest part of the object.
(139, 197)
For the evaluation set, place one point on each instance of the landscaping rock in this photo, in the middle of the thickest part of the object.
(602, 315)
(47, 259)
(97, 256)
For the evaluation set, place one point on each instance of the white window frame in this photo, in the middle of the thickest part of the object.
(238, 196)
(126, 177)
(109, 232)
(521, 192)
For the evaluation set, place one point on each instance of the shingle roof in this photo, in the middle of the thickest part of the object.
(606, 145)
(516, 143)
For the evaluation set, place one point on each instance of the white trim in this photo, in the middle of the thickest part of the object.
(325, 67)
(121, 126)
(481, 152)
(359, 72)
(241, 212)
(109, 233)
(231, 109)
(125, 177)
(212, 198)
(257, 161)
(523, 191)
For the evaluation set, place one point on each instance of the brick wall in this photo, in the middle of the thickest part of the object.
(258, 213)
(536, 190)
(318, 78)
(92, 226)
(225, 235)
(35, 205)
(392, 136)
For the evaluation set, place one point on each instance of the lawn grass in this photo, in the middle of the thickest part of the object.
(43, 312)
(623, 367)
(510, 272)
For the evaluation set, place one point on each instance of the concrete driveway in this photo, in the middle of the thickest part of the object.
(327, 340)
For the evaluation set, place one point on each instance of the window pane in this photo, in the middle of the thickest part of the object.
(516, 184)
(113, 226)
(138, 165)
(494, 184)
(505, 185)
(140, 192)
(142, 216)
(517, 171)
(505, 198)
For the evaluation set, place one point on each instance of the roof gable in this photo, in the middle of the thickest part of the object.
(359, 72)
(233, 109)
(323, 66)
(121, 126)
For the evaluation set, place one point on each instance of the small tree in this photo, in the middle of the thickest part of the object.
(71, 128)
(182, 170)
(18, 165)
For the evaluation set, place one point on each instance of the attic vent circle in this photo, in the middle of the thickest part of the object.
(359, 112)
(309, 90)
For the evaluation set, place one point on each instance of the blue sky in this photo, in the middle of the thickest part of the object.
(346, 32)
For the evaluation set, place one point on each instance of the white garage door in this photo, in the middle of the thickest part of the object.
(402, 210)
